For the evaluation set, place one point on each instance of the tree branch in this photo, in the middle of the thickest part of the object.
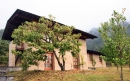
(62, 38)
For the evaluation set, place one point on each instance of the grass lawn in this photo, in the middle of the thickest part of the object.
(100, 74)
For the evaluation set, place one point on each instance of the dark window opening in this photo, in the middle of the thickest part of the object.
(100, 59)
(90, 57)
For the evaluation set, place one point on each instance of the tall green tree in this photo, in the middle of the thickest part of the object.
(4, 47)
(116, 41)
(46, 36)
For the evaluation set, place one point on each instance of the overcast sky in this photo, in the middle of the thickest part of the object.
(82, 14)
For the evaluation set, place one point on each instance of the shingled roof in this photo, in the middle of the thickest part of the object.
(20, 16)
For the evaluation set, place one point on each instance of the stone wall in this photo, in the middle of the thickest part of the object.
(4, 70)
(6, 78)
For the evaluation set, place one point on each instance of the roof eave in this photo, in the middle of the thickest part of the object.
(21, 16)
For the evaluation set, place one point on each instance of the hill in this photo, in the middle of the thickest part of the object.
(96, 44)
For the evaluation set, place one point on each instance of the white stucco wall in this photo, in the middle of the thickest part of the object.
(98, 63)
(68, 57)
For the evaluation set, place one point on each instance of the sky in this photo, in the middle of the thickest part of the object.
(82, 14)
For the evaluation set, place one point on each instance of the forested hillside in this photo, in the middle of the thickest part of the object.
(96, 44)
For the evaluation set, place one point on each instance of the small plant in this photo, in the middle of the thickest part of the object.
(82, 63)
(93, 62)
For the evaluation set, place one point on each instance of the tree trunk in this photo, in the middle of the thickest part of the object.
(129, 66)
(62, 65)
(121, 76)
(62, 68)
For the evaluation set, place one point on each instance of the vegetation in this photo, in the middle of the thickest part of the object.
(97, 44)
(82, 63)
(1, 32)
(45, 36)
(94, 44)
(116, 41)
(4, 46)
(105, 74)
(93, 62)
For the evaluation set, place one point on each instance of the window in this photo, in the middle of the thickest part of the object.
(49, 62)
(100, 59)
(75, 63)
(90, 57)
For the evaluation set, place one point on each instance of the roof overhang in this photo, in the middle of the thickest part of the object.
(94, 52)
(21, 16)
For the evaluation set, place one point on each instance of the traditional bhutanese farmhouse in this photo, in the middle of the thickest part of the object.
(17, 19)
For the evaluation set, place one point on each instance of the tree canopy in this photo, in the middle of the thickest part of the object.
(46, 36)
(116, 41)
(4, 49)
